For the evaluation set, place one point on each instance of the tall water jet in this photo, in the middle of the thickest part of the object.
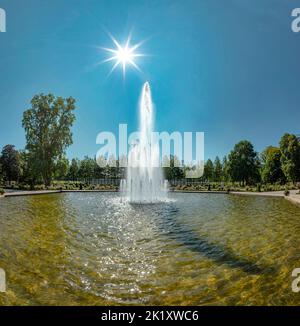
(145, 182)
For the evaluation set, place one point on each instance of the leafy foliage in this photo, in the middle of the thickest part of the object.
(174, 171)
(290, 157)
(271, 171)
(10, 161)
(243, 163)
(218, 170)
(47, 125)
(208, 173)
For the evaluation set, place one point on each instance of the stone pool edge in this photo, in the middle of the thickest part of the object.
(46, 192)
(293, 197)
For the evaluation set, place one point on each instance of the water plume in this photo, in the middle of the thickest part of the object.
(145, 182)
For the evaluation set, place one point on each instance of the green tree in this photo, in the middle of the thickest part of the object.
(225, 173)
(29, 170)
(1, 175)
(243, 163)
(61, 168)
(271, 171)
(47, 125)
(208, 173)
(10, 160)
(99, 171)
(73, 169)
(87, 168)
(173, 171)
(218, 170)
(290, 157)
(112, 168)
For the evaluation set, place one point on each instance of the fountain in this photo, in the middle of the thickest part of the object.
(145, 182)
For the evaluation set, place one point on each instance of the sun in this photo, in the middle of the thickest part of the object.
(123, 55)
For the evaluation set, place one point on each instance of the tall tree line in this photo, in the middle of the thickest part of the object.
(243, 164)
(48, 122)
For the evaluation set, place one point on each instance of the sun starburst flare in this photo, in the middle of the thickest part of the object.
(123, 55)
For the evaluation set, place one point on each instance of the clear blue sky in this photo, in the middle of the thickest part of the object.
(228, 68)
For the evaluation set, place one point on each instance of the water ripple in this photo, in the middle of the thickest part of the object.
(196, 249)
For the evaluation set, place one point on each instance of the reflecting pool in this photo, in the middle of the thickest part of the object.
(197, 249)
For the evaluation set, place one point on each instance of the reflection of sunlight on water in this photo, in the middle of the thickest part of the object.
(195, 249)
(123, 240)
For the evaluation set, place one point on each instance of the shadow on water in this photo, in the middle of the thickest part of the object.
(203, 246)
